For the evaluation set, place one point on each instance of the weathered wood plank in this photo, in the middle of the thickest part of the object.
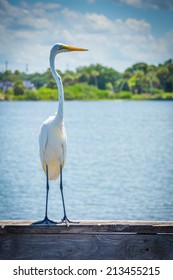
(87, 240)
(74, 246)
(87, 227)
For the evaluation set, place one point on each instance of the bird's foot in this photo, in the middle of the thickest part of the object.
(67, 221)
(45, 221)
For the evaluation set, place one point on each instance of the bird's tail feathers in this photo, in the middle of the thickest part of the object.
(53, 169)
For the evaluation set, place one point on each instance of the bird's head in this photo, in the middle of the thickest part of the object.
(59, 48)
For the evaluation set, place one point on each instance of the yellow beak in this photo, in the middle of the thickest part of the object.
(71, 48)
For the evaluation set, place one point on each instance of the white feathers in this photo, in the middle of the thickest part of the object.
(53, 144)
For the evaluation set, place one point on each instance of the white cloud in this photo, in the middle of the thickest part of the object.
(28, 32)
(97, 22)
(151, 4)
(137, 25)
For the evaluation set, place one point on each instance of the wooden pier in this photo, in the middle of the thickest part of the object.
(87, 240)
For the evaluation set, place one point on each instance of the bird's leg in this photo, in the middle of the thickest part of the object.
(64, 219)
(47, 192)
(62, 195)
(46, 220)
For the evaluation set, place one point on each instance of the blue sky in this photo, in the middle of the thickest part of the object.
(118, 33)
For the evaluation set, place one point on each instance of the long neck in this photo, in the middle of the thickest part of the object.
(59, 114)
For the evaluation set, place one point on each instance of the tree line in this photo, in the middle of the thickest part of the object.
(140, 78)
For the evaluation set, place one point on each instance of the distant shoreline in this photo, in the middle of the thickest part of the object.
(81, 92)
(103, 99)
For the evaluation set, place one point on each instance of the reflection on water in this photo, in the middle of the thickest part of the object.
(119, 161)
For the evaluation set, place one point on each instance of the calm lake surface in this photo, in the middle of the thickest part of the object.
(119, 161)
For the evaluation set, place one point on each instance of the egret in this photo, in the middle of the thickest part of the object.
(52, 137)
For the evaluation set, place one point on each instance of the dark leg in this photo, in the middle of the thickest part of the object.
(64, 219)
(47, 191)
(46, 220)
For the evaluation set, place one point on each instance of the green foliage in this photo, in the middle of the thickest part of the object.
(139, 82)
(69, 78)
(99, 75)
(2, 96)
(167, 96)
(38, 80)
(140, 97)
(105, 94)
(51, 84)
(47, 94)
(31, 95)
(125, 95)
(9, 93)
(7, 76)
(80, 92)
(162, 73)
(18, 88)
(87, 92)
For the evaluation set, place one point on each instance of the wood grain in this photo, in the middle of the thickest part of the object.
(108, 240)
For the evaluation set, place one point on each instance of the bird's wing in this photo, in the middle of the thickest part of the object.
(43, 139)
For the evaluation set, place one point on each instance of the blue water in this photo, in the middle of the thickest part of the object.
(119, 161)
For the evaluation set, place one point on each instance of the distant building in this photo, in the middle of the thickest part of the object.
(5, 85)
(28, 84)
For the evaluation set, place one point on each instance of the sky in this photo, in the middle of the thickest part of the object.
(118, 33)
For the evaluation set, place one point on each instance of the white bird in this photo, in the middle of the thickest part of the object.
(52, 136)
